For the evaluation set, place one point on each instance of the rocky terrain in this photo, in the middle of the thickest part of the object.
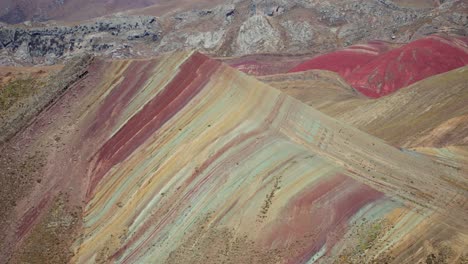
(47, 45)
(233, 28)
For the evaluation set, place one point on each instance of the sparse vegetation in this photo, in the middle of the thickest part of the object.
(364, 241)
(49, 240)
(443, 256)
(269, 197)
(19, 171)
(23, 100)
(16, 90)
(368, 236)
(464, 259)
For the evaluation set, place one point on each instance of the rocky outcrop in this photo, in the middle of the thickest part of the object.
(206, 40)
(46, 44)
(257, 35)
(299, 34)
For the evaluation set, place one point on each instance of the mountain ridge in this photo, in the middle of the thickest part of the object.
(251, 142)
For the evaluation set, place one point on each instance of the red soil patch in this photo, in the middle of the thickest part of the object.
(345, 61)
(375, 72)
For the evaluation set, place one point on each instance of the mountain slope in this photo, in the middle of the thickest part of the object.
(317, 88)
(182, 159)
(429, 113)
